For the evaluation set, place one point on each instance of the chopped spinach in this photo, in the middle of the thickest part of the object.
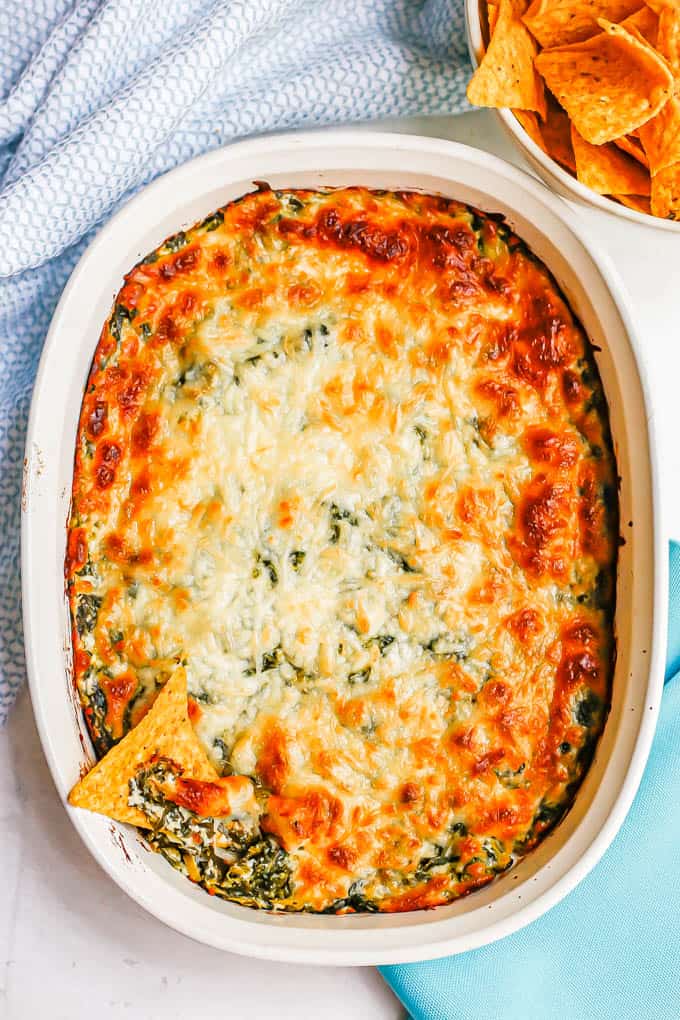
(121, 314)
(512, 778)
(548, 815)
(492, 854)
(383, 641)
(476, 220)
(202, 697)
(87, 610)
(230, 857)
(270, 660)
(360, 677)
(450, 646)
(401, 561)
(222, 752)
(87, 570)
(587, 709)
(260, 878)
(443, 857)
(338, 514)
(98, 707)
(213, 221)
(177, 241)
(296, 558)
(354, 901)
(268, 566)
(271, 570)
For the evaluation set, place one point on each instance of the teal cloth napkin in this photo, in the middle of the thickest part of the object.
(610, 950)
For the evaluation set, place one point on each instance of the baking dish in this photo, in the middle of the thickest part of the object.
(382, 161)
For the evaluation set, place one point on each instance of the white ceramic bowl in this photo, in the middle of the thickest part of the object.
(557, 178)
(382, 161)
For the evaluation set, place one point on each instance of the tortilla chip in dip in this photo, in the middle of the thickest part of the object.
(164, 732)
(506, 75)
(609, 85)
(607, 170)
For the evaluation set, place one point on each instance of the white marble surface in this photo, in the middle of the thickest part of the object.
(73, 946)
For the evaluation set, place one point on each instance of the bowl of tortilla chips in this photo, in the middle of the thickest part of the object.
(590, 92)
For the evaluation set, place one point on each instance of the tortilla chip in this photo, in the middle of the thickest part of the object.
(164, 731)
(561, 22)
(666, 193)
(557, 137)
(638, 202)
(661, 137)
(506, 75)
(644, 21)
(630, 144)
(609, 85)
(492, 17)
(606, 170)
(529, 122)
(660, 5)
(668, 38)
(554, 136)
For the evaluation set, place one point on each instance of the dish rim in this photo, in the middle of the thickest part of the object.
(374, 141)
(549, 169)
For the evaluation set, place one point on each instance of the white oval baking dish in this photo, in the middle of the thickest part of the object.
(552, 230)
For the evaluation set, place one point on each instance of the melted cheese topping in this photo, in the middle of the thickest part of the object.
(345, 454)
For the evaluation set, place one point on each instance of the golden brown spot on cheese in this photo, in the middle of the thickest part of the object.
(525, 624)
(342, 856)
(410, 793)
(314, 816)
(119, 692)
(210, 799)
(545, 446)
(544, 517)
(76, 554)
(305, 295)
(96, 422)
(273, 763)
(184, 262)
